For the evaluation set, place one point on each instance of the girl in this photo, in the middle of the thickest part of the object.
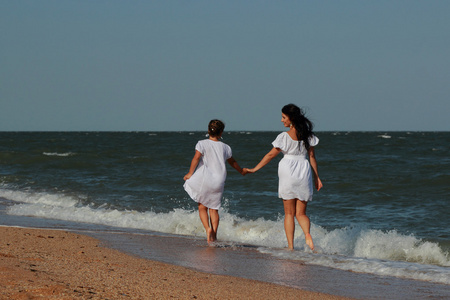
(206, 178)
(294, 170)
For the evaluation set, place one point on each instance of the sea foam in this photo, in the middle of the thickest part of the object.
(58, 154)
(351, 248)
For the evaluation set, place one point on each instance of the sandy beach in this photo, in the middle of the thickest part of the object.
(53, 264)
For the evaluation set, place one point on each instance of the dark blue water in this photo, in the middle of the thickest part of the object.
(383, 209)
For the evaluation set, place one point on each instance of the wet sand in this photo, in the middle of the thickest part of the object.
(54, 264)
(247, 261)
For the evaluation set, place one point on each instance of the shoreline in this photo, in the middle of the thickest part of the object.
(57, 264)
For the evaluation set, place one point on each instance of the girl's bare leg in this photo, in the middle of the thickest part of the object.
(304, 221)
(203, 213)
(289, 224)
(214, 218)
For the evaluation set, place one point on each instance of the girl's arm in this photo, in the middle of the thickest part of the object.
(313, 162)
(194, 164)
(265, 160)
(235, 165)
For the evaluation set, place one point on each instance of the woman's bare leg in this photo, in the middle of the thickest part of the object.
(289, 224)
(304, 221)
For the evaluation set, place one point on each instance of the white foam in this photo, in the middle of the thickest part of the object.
(58, 154)
(357, 249)
(437, 274)
(397, 247)
(45, 199)
(385, 136)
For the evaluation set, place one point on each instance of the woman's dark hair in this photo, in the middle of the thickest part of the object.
(302, 125)
(215, 128)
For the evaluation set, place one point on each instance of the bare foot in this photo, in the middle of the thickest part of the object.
(213, 236)
(309, 241)
(209, 235)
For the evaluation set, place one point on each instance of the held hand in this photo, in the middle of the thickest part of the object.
(318, 183)
(246, 170)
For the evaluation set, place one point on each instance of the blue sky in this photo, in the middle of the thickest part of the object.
(174, 65)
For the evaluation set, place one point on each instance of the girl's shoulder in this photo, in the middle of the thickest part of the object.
(201, 144)
(222, 144)
(204, 141)
(213, 143)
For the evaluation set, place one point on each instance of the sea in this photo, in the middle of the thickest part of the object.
(382, 214)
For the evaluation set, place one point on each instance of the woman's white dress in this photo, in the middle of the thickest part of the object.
(207, 183)
(294, 170)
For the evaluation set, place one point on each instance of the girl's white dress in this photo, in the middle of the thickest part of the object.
(294, 170)
(207, 183)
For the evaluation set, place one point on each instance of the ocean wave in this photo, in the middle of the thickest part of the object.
(415, 271)
(384, 136)
(352, 248)
(58, 154)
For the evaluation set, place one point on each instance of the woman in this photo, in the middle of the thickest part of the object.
(294, 170)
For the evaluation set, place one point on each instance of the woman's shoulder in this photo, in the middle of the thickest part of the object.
(281, 141)
(283, 134)
(313, 140)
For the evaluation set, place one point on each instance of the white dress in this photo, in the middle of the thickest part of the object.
(207, 183)
(294, 170)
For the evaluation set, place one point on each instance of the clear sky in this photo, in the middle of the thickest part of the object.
(174, 65)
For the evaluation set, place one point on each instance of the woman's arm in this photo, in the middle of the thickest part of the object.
(194, 164)
(313, 162)
(265, 160)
